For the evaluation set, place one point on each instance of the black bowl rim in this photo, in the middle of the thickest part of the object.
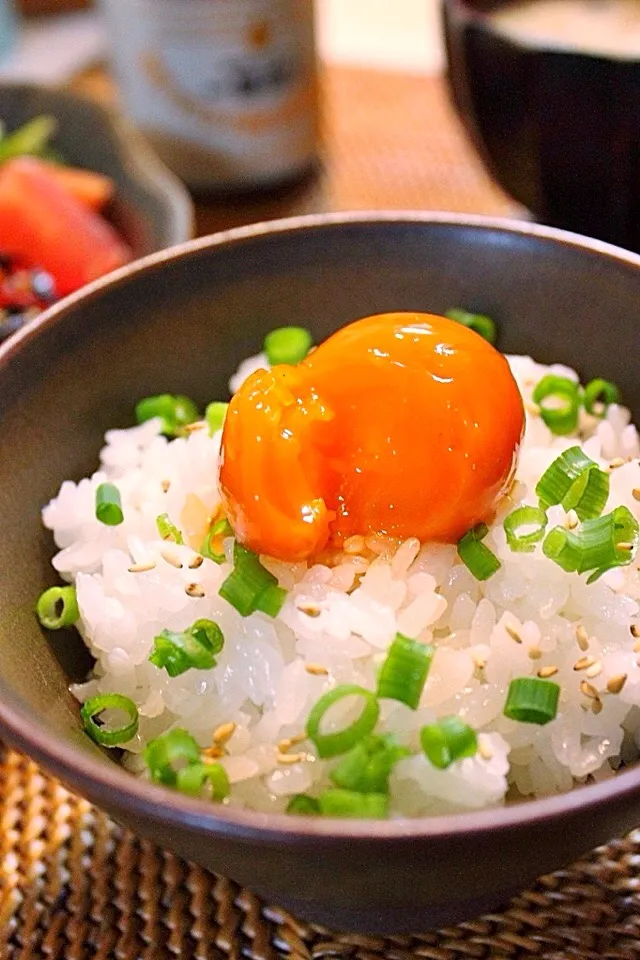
(112, 785)
(482, 20)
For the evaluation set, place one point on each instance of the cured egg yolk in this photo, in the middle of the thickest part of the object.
(404, 424)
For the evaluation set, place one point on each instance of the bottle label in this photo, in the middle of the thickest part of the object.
(230, 83)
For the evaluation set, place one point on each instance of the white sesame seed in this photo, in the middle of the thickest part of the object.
(589, 690)
(596, 706)
(316, 669)
(142, 567)
(194, 590)
(582, 637)
(513, 633)
(571, 520)
(224, 732)
(583, 663)
(310, 609)
(545, 672)
(617, 462)
(172, 558)
(615, 684)
(625, 546)
(165, 484)
(635, 493)
(193, 427)
(289, 758)
(535, 653)
(594, 670)
(196, 562)
(635, 630)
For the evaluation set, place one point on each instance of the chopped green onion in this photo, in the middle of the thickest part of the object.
(32, 138)
(303, 805)
(57, 607)
(109, 505)
(598, 545)
(559, 401)
(167, 530)
(110, 736)
(482, 325)
(600, 394)
(192, 778)
(215, 415)
(527, 518)
(531, 700)
(212, 543)
(447, 740)
(367, 766)
(575, 481)
(347, 803)
(480, 560)
(250, 586)
(175, 412)
(333, 744)
(195, 647)
(404, 672)
(287, 345)
(169, 753)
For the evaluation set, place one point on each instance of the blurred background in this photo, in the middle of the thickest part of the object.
(388, 134)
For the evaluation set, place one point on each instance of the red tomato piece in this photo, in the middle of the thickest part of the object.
(43, 225)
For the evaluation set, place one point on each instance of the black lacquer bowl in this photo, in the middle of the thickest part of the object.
(557, 128)
(181, 321)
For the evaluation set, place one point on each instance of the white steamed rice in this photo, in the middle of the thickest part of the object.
(262, 682)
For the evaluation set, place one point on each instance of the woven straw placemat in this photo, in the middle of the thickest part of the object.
(74, 885)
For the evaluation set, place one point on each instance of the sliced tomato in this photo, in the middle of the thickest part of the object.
(43, 225)
(93, 190)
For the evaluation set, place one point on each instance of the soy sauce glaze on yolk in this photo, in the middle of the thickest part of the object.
(405, 424)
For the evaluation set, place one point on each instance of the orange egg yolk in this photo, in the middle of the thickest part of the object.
(403, 424)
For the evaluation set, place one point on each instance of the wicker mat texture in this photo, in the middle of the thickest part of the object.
(74, 885)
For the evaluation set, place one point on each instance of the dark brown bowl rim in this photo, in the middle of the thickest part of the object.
(482, 20)
(119, 788)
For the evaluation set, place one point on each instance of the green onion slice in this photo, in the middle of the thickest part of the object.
(598, 545)
(175, 412)
(532, 700)
(559, 401)
(367, 766)
(448, 740)
(303, 805)
(347, 803)
(404, 672)
(480, 560)
(167, 530)
(212, 543)
(575, 481)
(57, 607)
(109, 505)
(195, 648)
(482, 324)
(333, 744)
(215, 415)
(106, 734)
(599, 395)
(195, 778)
(32, 138)
(287, 345)
(524, 528)
(250, 586)
(169, 753)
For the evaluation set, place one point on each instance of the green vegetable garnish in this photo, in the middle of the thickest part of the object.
(108, 505)
(110, 736)
(532, 700)
(480, 560)
(287, 345)
(57, 607)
